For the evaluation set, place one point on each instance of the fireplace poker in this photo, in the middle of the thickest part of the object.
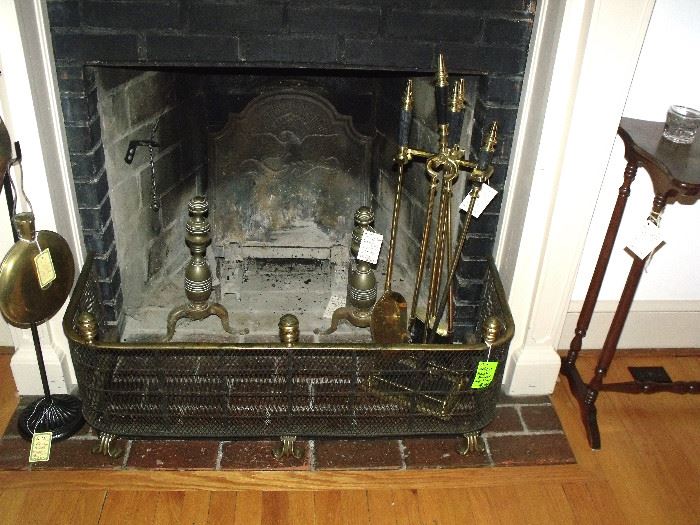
(457, 107)
(389, 323)
(440, 166)
(432, 192)
(480, 175)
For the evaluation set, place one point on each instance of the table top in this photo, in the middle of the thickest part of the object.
(678, 161)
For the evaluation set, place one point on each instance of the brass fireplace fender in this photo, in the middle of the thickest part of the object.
(314, 390)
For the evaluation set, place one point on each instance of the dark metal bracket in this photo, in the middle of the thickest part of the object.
(131, 150)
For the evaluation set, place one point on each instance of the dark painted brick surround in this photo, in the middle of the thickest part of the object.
(487, 38)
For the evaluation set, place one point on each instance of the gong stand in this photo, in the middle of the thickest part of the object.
(60, 414)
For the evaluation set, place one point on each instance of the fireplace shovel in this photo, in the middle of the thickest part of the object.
(389, 320)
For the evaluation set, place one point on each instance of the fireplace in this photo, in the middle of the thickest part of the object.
(182, 60)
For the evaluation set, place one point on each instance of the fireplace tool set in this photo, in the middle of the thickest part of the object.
(389, 321)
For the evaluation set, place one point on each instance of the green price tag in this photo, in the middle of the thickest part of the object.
(484, 374)
(40, 449)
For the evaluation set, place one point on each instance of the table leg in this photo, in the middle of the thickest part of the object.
(576, 384)
(623, 308)
(601, 267)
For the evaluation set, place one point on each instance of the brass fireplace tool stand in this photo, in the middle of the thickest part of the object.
(198, 282)
(443, 168)
(387, 317)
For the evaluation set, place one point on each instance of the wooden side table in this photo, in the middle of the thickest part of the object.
(675, 174)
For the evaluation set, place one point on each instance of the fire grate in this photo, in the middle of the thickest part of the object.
(221, 390)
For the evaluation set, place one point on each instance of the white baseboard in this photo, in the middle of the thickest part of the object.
(532, 370)
(650, 324)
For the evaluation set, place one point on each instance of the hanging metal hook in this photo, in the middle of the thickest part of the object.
(150, 144)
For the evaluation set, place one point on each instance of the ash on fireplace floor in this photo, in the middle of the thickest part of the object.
(269, 288)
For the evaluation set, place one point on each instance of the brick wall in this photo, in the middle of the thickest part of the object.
(484, 38)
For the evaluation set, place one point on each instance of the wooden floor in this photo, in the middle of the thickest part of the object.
(648, 471)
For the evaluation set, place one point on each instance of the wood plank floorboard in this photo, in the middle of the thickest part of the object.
(380, 507)
(46, 507)
(646, 472)
(222, 507)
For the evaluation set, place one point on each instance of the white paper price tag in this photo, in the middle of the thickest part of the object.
(370, 246)
(40, 449)
(646, 240)
(334, 303)
(486, 195)
(44, 268)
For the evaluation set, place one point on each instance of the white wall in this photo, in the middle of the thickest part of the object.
(6, 240)
(666, 310)
(31, 103)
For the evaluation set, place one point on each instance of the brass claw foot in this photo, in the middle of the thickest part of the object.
(220, 311)
(287, 448)
(196, 313)
(354, 316)
(471, 442)
(105, 446)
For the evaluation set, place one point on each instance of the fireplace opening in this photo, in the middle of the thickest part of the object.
(285, 158)
(172, 72)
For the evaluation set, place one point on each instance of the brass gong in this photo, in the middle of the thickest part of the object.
(36, 275)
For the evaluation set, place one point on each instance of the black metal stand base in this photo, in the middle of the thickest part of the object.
(59, 414)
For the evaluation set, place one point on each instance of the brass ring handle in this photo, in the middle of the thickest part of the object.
(442, 165)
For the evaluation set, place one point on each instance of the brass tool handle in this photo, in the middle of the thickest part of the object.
(441, 95)
(457, 108)
(438, 256)
(394, 226)
(432, 193)
(487, 150)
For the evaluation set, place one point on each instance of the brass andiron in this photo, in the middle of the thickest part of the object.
(443, 168)
(362, 282)
(198, 285)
